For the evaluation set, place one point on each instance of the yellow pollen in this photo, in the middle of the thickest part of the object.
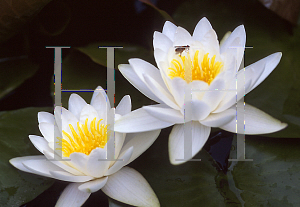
(192, 70)
(85, 140)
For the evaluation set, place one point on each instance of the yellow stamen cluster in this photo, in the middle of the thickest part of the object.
(206, 71)
(85, 140)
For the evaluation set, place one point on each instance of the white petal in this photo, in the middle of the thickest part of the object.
(169, 30)
(236, 90)
(200, 110)
(72, 196)
(256, 121)
(101, 105)
(201, 29)
(130, 187)
(100, 90)
(65, 176)
(76, 104)
(123, 160)
(266, 64)
(140, 142)
(46, 117)
(47, 131)
(219, 119)
(177, 86)
(96, 167)
(124, 107)
(161, 41)
(182, 37)
(128, 72)
(41, 167)
(160, 92)
(160, 56)
(240, 33)
(200, 135)
(40, 143)
(139, 121)
(93, 185)
(79, 161)
(88, 112)
(17, 162)
(119, 141)
(164, 113)
(142, 67)
(60, 163)
(215, 93)
(210, 42)
(68, 118)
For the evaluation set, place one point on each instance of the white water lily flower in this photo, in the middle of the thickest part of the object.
(215, 84)
(86, 136)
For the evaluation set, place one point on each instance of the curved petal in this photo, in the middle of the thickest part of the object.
(17, 162)
(201, 29)
(68, 118)
(47, 131)
(72, 196)
(210, 42)
(123, 160)
(215, 93)
(88, 112)
(161, 41)
(200, 110)
(263, 68)
(129, 186)
(62, 164)
(76, 104)
(128, 72)
(65, 176)
(40, 143)
(169, 30)
(160, 92)
(256, 122)
(95, 166)
(142, 67)
(100, 90)
(139, 121)
(160, 56)
(235, 91)
(78, 161)
(41, 167)
(177, 86)
(124, 106)
(46, 117)
(219, 119)
(182, 37)
(93, 185)
(240, 33)
(165, 113)
(200, 135)
(101, 105)
(140, 143)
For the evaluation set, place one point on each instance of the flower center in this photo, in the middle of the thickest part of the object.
(85, 140)
(190, 70)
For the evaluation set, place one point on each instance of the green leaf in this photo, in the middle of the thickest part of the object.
(79, 72)
(14, 71)
(122, 55)
(163, 13)
(272, 178)
(189, 185)
(19, 187)
(14, 14)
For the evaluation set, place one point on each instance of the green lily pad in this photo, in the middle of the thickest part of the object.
(19, 187)
(79, 72)
(272, 178)
(122, 55)
(14, 71)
